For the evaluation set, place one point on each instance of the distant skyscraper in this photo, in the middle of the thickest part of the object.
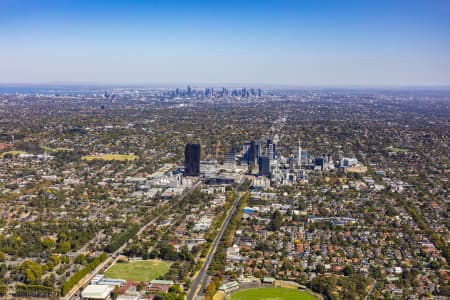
(264, 165)
(192, 160)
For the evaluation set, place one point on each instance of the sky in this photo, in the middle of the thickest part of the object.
(273, 42)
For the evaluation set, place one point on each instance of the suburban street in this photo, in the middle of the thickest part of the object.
(200, 282)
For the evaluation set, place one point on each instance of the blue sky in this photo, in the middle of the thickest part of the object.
(279, 42)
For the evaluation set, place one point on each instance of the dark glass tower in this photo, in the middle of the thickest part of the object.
(264, 165)
(252, 152)
(192, 160)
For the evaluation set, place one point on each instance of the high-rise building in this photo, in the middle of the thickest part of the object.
(319, 162)
(270, 149)
(304, 157)
(257, 152)
(264, 165)
(291, 162)
(192, 160)
(230, 158)
(250, 152)
(246, 152)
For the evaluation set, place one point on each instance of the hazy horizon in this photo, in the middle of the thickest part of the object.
(194, 85)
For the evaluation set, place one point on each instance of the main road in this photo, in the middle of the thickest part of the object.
(112, 258)
(200, 281)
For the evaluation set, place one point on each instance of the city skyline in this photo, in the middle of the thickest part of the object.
(304, 43)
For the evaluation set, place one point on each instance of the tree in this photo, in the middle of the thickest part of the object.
(48, 243)
(275, 223)
(29, 276)
(348, 270)
(320, 268)
(64, 247)
(81, 259)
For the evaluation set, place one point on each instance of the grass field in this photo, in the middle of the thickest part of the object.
(144, 270)
(54, 150)
(13, 153)
(271, 294)
(397, 150)
(109, 157)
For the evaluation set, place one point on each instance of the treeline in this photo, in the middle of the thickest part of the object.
(40, 291)
(3, 290)
(235, 221)
(83, 272)
(435, 238)
(219, 219)
(119, 239)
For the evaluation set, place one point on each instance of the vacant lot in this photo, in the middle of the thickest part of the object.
(271, 294)
(144, 270)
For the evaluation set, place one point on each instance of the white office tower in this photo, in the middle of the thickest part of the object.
(270, 150)
(299, 155)
(348, 162)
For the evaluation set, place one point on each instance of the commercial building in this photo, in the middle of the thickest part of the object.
(348, 162)
(97, 292)
(230, 159)
(250, 151)
(319, 163)
(264, 165)
(304, 157)
(270, 149)
(192, 160)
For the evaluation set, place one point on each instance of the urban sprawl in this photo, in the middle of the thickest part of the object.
(199, 193)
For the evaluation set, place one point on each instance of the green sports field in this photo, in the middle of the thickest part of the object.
(271, 294)
(144, 270)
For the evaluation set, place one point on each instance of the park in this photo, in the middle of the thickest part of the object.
(144, 270)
